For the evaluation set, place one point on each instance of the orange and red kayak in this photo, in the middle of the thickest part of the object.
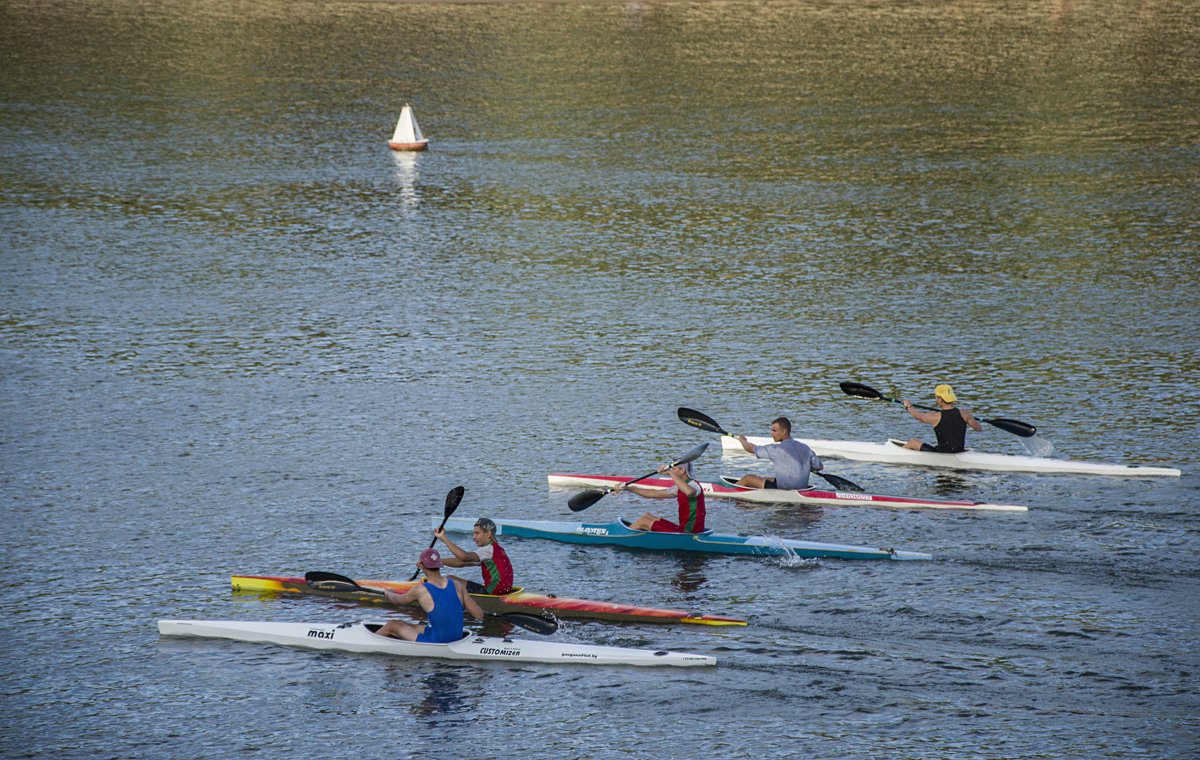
(517, 600)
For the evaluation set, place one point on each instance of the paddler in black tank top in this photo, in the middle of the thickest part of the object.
(949, 423)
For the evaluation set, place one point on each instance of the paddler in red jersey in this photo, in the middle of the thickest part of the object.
(489, 555)
(688, 494)
(949, 423)
(443, 600)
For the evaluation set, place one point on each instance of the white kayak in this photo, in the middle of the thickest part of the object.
(361, 637)
(893, 452)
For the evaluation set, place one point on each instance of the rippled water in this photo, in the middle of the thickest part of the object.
(237, 334)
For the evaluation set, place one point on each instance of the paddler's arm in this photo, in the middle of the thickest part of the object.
(929, 418)
(461, 558)
(682, 484)
(469, 604)
(970, 420)
(749, 447)
(408, 597)
(649, 493)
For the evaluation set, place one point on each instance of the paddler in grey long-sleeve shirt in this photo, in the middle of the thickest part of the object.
(793, 460)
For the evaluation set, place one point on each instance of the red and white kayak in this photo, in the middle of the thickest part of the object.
(893, 452)
(727, 490)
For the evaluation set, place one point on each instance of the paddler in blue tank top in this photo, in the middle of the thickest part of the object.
(443, 600)
(949, 423)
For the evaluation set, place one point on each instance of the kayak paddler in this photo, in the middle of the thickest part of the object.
(443, 600)
(793, 460)
(688, 495)
(949, 423)
(493, 561)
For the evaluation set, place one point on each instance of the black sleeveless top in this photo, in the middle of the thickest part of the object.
(951, 432)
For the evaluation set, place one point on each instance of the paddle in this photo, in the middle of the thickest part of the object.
(704, 422)
(323, 581)
(452, 500)
(582, 501)
(1016, 427)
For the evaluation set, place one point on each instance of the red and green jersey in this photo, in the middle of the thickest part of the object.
(497, 570)
(691, 509)
(691, 513)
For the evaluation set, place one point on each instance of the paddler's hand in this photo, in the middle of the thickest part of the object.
(439, 532)
(618, 487)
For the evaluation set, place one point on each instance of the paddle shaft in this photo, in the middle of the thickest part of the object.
(582, 501)
(453, 499)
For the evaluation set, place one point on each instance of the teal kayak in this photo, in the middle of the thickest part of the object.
(620, 534)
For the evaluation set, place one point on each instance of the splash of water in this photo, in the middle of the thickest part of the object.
(1038, 447)
(790, 558)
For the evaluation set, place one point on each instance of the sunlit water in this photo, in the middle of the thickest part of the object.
(237, 334)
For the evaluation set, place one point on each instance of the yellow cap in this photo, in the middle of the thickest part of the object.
(944, 391)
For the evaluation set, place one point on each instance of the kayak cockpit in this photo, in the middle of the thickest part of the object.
(629, 526)
(373, 628)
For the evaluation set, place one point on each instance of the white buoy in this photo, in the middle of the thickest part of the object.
(408, 134)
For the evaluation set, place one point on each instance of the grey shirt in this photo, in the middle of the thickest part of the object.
(793, 461)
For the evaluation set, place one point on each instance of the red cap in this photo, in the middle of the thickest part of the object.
(431, 559)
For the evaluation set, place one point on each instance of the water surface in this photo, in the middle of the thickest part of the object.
(239, 335)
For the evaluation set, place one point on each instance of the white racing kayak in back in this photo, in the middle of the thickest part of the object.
(893, 452)
(361, 637)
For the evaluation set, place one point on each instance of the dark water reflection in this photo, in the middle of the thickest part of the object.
(447, 695)
(237, 334)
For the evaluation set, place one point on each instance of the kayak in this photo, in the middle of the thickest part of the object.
(362, 637)
(515, 601)
(893, 452)
(620, 534)
(727, 489)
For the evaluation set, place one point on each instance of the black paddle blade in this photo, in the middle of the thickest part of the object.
(318, 576)
(839, 482)
(544, 626)
(453, 499)
(1016, 427)
(585, 499)
(322, 581)
(858, 390)
(700, 420)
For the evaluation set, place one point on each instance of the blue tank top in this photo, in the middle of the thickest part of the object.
(446, 618)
